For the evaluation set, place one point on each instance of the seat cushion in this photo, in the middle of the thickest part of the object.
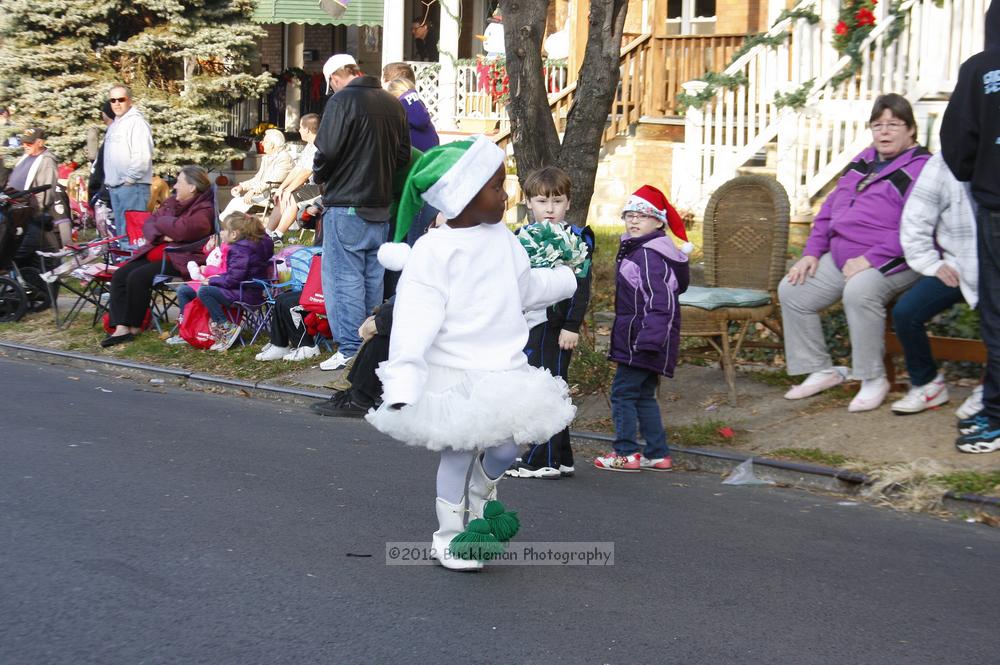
(704, 297)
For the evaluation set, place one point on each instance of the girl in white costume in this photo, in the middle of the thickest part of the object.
(457, 380)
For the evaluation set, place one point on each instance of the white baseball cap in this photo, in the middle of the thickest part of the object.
(335, 62)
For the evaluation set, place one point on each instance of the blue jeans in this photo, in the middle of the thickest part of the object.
(127, 197)
(913, 310)
(352, 275)
(210, 296)
(633, 399)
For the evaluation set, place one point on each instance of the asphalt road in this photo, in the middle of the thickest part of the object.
(152, 525)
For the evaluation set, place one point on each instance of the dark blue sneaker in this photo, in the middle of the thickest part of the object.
(980, 440)
(973, 423)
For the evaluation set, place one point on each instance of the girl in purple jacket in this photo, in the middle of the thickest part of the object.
(248, 258)
(645, 339)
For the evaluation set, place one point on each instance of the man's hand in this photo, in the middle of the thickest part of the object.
(568, 340)
(853, 266)
(948, 275)
(803, 268)
(368, 329)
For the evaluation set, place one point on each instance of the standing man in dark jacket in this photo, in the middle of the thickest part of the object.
(362, 140)
(970, 143)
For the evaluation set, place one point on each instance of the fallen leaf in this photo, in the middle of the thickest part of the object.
(726, 432)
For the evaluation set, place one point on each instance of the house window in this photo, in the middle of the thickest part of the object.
(690, 17)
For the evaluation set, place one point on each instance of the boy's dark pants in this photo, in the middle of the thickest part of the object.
(988, 237)
(543, 351)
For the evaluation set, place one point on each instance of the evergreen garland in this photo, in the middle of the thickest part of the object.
(717, 80)
(186, 61)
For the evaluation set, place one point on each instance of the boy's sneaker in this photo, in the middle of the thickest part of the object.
(972, 405)
(566, 471)
(302, 353)
(613, 462)
(226, 336)
(657, 464)
(336, 361)
(973, 423)
(272, 352)
(983, 440)
(175, 340)
(522, 470)
(921, 398)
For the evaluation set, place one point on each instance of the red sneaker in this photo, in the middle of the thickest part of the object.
(613, 462)
(658, 464)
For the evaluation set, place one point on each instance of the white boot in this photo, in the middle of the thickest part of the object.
(451, 522)
(482, 489)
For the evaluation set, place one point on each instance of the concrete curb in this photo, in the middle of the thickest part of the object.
(794, 474)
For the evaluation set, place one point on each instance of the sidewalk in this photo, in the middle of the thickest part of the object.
(765, 421)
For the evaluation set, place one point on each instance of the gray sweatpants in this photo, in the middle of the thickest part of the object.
(865, 297)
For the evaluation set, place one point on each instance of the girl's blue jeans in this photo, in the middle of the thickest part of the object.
(633, 401)
(913, 310)
(210, 296)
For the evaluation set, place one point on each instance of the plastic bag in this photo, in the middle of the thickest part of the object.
(743, 475)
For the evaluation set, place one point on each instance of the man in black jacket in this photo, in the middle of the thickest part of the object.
(970, 144)
(362, 140)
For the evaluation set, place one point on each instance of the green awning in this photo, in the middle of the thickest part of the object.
(359, 12)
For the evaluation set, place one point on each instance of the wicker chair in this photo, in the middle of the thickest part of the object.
(745, 247)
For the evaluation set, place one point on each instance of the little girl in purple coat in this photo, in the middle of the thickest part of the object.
(248, 257)
(652, 273)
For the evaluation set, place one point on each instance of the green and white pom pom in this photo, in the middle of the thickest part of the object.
(476, 542)
(549, 245)
(503, 523)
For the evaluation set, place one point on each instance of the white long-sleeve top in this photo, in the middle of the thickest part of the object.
(938, 227)
(460, 304)
(128, 150)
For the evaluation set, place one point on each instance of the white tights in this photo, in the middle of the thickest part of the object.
(454, 468)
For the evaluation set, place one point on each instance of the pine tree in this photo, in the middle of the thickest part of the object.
(186, 61)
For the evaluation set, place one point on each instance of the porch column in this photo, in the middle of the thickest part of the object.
(447, 57)
(579, 28)
(393, 31)
(294, 56)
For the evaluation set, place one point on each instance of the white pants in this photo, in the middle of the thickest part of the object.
(865, 296)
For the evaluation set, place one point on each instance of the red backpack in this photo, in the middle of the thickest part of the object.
(195, 328)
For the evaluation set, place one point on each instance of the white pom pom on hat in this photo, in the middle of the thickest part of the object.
(393, 255)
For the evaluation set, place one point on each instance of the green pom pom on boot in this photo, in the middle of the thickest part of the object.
(476, 542)
(503, 524)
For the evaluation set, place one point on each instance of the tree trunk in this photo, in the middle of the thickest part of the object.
(597, 87)
(536, 142)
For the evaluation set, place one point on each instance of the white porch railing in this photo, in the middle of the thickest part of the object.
(816, 144)
(473, 99)
(735, 124)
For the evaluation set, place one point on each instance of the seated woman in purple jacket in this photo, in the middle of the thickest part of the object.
(185, 217)
(398, 78)
(854, 255)
(248, 257)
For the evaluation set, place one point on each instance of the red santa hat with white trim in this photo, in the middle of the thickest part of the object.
(648, 200)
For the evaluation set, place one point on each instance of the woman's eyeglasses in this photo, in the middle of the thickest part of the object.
(887, 126)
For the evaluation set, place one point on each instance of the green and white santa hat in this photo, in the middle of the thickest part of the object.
(447, 177)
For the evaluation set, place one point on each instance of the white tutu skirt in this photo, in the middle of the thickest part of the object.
(469, 409)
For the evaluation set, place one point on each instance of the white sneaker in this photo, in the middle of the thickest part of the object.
(176, 340)
(336, 361)
(873, 392)
(921, 398)
(302, 353)
(972, 405)
(817, 382)
(272, 352)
